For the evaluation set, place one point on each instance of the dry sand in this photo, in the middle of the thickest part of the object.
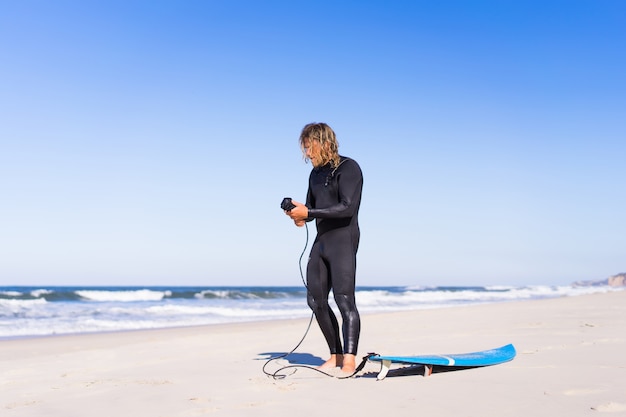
(571, 362)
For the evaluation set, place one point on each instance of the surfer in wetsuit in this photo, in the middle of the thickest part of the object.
(333, 201)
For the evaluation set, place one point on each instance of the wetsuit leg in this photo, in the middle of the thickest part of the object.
(318, 286)
(342, 255)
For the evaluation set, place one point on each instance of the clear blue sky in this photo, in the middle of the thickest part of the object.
(151, 142)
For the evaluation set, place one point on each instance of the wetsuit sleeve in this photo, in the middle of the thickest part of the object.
(350, 184)
(309, 203)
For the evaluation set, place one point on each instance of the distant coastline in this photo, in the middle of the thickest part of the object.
(618, 280)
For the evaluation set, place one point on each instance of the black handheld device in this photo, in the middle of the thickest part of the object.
(287, 204)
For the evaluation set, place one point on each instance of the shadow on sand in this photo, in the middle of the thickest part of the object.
(293, 358)
(412, 370)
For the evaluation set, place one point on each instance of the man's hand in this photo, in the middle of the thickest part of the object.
(298, 214)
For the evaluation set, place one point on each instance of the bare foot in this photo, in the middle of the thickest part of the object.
(348, 365)
(334, 361)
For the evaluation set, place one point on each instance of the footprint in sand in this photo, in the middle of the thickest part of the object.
(610, 407)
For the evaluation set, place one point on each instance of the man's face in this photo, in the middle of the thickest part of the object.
(313, 151)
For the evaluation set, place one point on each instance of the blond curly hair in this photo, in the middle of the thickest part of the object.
(323, 134)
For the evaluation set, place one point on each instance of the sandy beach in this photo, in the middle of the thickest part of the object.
(570, 362)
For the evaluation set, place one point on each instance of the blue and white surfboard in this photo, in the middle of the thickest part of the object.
(482, 358)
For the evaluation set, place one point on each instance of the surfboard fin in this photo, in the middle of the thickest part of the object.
(385, 366)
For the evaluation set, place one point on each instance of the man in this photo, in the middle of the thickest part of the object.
(333, 200)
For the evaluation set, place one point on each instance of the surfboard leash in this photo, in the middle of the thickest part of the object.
(277, 375)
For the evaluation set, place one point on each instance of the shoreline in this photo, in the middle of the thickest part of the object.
(247, 322)
(569, 362)
(146, 314)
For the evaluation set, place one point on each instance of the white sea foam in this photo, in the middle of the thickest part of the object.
(123, 296)
(384, 300)
(499, 288)
(41, 292)
(213, 293)
(11, 293)
(20, 305)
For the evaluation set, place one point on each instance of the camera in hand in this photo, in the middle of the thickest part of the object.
(287, 204)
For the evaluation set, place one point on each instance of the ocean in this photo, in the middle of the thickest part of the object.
(44, 311)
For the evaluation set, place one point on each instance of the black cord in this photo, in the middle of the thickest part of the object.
(358, 369)
(276, 374)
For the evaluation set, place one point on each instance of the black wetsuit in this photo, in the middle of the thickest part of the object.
(333, 200)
